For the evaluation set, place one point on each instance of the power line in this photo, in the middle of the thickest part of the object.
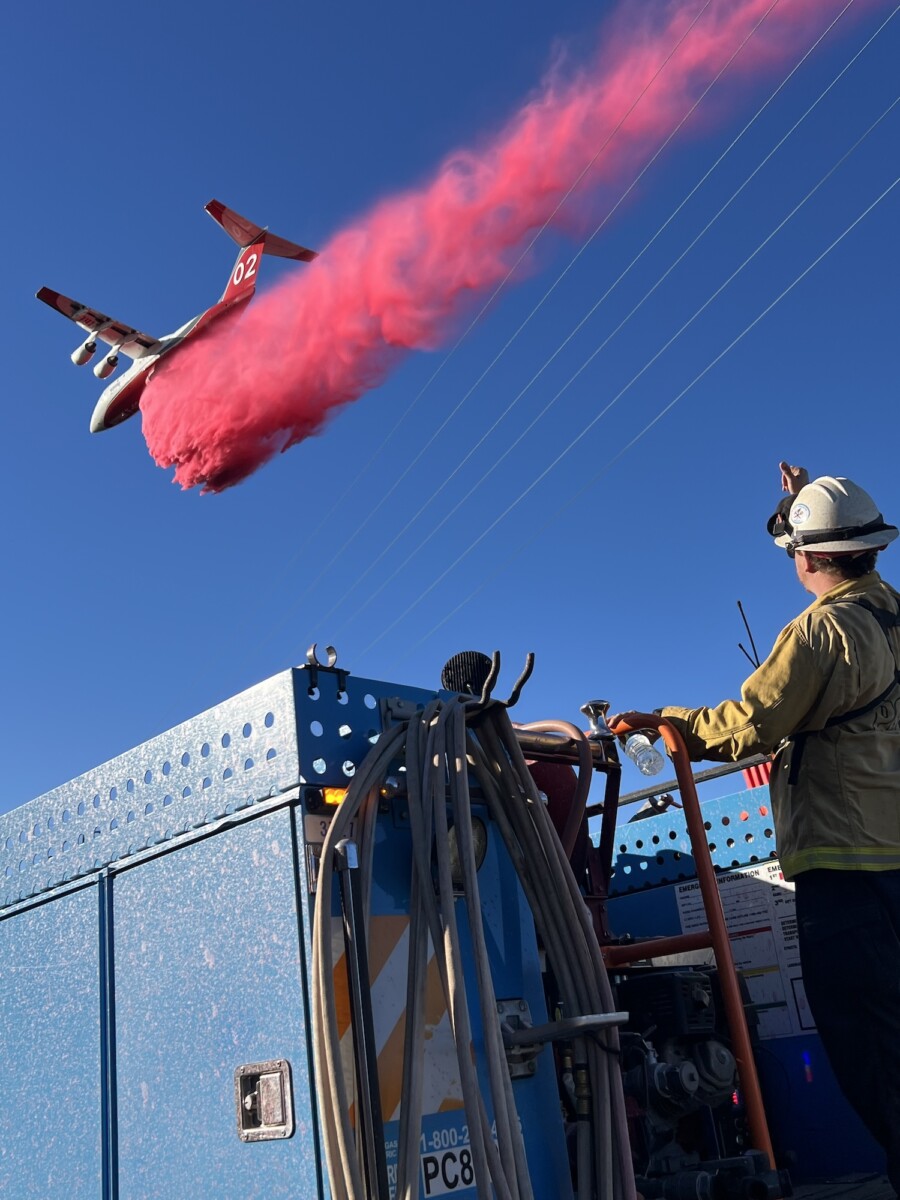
(412, 463)
(527, 429)
(534, 483)
(274, 629)
(495, 293)
(595, 479)
(360, 577)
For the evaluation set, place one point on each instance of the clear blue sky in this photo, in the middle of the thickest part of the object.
(129, 605)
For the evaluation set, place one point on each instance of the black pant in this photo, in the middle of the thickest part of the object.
(849, 929)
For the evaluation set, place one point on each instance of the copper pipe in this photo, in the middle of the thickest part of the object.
(715, 919)
(585, 766)
(621, 956)
(547, 747)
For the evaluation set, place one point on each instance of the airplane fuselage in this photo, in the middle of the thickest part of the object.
(122, 398)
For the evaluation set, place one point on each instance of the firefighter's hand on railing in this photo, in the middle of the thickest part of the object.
(793, 478)
(633, 718)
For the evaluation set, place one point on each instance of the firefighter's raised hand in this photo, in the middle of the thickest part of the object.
(793, 478)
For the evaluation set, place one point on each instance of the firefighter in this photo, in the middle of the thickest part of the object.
(828, 700)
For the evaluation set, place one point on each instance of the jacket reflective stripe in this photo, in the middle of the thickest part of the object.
(842, 858)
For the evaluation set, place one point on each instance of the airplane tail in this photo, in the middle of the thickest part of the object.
(254, 241)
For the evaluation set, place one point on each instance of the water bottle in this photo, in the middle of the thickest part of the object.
(645, 756)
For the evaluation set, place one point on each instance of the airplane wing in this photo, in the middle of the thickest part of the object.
(130, 341)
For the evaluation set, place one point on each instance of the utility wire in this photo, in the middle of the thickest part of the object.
(523, 433)
(476, 319)
(538, 479)
(443, 425)
(494, 294)
(650, 425)
(595, 479)
(647, 165)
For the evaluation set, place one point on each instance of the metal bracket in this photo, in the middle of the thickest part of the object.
(313, 859)
(524, 1041)
(395, 711)
(479, 704)
(314, 665)
(264, 1099)
(515, 1018)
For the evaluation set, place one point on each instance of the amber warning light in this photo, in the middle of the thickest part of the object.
(324, 799)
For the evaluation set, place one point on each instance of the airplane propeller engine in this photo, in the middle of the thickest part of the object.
(121, 399)
(106, 366)
(84, 353)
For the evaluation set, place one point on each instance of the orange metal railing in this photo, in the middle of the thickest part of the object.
(715, 938)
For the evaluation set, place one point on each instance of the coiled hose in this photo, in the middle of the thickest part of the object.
(441, 746)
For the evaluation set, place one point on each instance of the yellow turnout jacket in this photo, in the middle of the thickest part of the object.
(828, 698)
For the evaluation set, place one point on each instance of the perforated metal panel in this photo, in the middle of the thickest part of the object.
(229, 757)
(337, 728)
(657, 850)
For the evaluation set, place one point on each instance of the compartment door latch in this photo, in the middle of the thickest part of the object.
(265, 1104)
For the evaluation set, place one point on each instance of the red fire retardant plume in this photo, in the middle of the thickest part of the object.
(394, 281)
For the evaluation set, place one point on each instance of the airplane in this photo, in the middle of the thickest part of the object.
(121, 399)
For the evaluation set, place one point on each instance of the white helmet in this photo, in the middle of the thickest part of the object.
(834, 516)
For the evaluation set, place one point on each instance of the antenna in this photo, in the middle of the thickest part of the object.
(754, 658)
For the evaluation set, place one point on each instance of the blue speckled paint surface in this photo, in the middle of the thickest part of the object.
(208, 978)
(218, 763)
(208, 955)
(50, 1120)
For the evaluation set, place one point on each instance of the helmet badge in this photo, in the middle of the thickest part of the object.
(799, 514)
